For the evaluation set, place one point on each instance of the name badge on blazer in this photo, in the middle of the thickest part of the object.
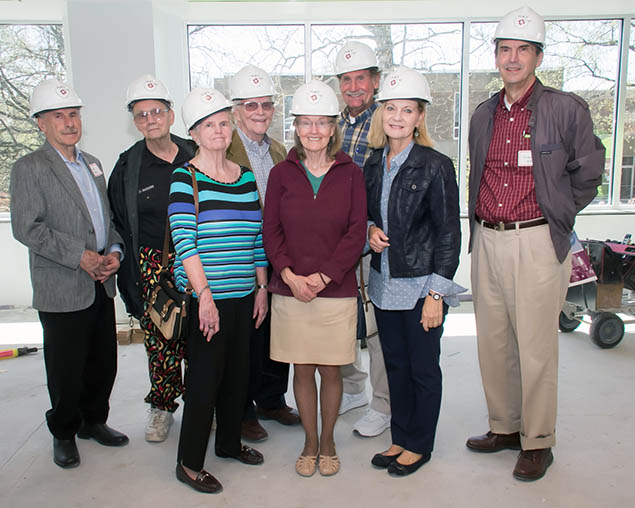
(96, 170)
(524, 158)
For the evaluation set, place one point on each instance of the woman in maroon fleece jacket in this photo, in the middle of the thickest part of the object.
(314, 231)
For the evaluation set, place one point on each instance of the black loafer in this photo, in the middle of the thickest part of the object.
(204, 481)
(103, 434)
(383, 461)
(65, 453)
(247, 455)
(396, 469)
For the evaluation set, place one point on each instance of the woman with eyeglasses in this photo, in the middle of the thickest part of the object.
(415, 239)
(219, 253)
(314, 232)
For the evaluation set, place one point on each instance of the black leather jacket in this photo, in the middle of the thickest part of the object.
(423, 214)
(123, 186)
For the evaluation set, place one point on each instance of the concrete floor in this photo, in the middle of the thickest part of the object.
(594, 460)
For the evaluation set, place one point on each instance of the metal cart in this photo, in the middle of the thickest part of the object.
(601, 300)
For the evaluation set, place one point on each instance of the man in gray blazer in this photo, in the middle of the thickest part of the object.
(60, 211)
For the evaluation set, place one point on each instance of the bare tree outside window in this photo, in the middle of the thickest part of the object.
(434, 49)
(215, 56)
(30, 54)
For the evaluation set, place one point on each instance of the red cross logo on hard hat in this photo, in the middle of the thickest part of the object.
(63, 91)
(150, 84)
(393, 82)
(209, 97)
(348, 55)
(521, 21)
(313, 97)
(255, 80)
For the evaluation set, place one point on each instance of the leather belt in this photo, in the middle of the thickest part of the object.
(506, 226)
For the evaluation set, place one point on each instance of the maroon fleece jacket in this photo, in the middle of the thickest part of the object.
(325, 233)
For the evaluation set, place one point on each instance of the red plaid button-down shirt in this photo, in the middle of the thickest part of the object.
(507, 192)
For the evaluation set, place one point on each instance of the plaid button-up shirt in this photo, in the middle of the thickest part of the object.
(355, 134)
(508, 192)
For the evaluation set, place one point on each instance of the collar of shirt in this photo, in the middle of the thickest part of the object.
(521, 103)
(397, 160)
(253, 147)
(352, 120)
(78, 155)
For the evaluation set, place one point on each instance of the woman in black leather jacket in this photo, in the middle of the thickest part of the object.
(415, 237)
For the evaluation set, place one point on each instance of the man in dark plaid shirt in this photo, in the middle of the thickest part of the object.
(358, 74)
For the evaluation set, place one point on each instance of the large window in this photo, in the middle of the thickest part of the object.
(30, 53)
(581, 56)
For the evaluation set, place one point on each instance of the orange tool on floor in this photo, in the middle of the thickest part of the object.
(15, 352)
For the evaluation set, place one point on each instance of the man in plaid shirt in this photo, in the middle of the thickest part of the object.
(358, 74)
(535, 163)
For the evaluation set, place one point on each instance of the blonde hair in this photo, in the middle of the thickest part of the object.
(377, 137)
(335, 143)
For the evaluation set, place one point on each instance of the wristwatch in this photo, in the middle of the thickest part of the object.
(435, 296)
(262, 286)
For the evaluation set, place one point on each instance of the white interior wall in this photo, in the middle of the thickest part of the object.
(110, 42)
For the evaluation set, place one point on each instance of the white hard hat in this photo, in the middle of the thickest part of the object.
(354, 56)
(315, 98)
(147, 87)
(53, 94)
(249, 82)
(522, 24)
(404, 83)
(201, 103)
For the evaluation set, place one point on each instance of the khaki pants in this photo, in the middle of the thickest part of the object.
(519, 287)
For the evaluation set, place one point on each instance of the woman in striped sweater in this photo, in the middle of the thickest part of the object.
(221, 255)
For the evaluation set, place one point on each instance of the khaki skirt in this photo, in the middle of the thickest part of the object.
(320, 332)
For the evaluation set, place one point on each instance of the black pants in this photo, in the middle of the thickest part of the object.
(268, 379)
(217, 378)
(80, 355)
(414, 376)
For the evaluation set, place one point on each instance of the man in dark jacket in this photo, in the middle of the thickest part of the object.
(535, 163)
(252, 92)
(138, 190)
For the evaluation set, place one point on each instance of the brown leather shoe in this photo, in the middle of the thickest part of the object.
(283, 415)
(251, 430)
(490, 442)
(532, 464)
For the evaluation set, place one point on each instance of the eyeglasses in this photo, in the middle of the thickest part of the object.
(144, 116)
(306, 125)
(252, 106)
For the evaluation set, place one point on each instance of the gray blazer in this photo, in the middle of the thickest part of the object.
(50, 217)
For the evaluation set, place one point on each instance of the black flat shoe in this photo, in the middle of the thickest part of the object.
(65, 453)
(204, 481)
(103, 434)
(247, 455)
(383, 461)
(396, 469)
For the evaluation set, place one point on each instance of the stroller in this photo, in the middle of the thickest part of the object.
(610, 291)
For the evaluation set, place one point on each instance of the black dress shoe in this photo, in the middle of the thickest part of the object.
(396, 469)
(204, 481)
(103, 434)
(65, 453)
(247, 455)
(383, 461)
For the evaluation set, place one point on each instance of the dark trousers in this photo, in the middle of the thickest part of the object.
(414, 376)
(216, 379)
(80, 355)
(268, 379)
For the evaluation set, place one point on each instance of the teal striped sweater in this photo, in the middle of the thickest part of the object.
(228, 236)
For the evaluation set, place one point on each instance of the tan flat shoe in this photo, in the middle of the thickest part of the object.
(328, 465)
(305, 465)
